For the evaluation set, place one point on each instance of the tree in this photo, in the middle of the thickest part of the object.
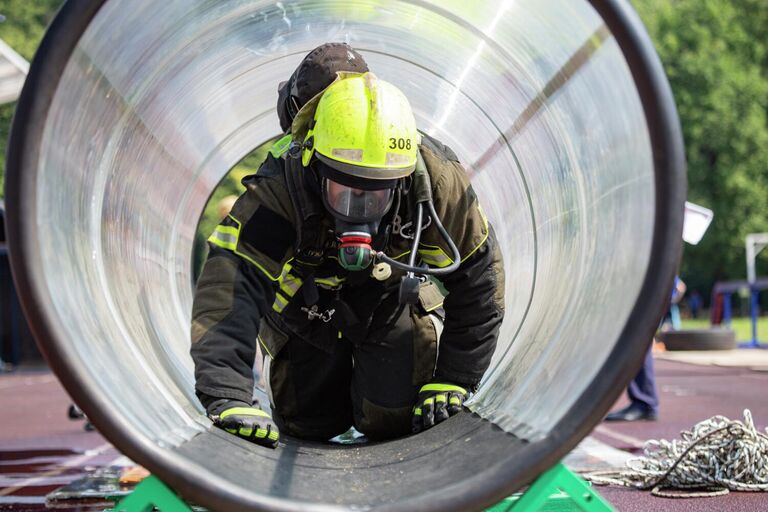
(22, 29)
(715, 53)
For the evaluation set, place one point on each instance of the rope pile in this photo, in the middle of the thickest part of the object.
(715, 457)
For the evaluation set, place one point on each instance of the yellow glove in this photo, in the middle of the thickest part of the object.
(249, 423)
(436, 402)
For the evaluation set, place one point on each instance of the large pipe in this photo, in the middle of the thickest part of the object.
(133, 111)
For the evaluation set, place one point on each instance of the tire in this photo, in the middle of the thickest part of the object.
(699, 339)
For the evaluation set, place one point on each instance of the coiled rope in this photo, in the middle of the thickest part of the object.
(717, 456)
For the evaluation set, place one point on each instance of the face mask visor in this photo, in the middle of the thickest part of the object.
(356, 205)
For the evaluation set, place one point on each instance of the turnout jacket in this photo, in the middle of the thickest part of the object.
(268, 277)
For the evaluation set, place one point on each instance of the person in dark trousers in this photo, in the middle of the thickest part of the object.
(642, 391)
(335, 260)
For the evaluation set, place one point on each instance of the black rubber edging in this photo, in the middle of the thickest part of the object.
(698, 339)
(481, 490)
(198, 484)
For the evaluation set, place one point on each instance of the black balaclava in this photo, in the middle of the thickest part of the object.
(316, 72)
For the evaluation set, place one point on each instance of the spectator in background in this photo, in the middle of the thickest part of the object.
(694, 303)
(643, 395)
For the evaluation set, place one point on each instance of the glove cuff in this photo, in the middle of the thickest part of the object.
(443, 387)
(216, 407)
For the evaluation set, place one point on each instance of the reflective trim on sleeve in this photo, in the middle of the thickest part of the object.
(227, 237)
(224, 237)
(435, 257)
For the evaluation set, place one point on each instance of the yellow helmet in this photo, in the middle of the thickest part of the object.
(364, 127)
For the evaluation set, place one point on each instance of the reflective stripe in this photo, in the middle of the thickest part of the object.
(435, 257)
(454, 401)
(264, 346)
(273, 435)
(442, 388)
(330, 282)
(225, 237)
(280, 303)
(417, 411)
(440, 398)
(290, 284)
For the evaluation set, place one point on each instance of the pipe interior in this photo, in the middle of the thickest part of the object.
(161, 99)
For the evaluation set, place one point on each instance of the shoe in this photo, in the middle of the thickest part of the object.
(633, 412)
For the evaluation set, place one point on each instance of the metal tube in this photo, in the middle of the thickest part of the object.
(133, 111)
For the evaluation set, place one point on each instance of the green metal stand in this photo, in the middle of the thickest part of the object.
(556, 490)
(151, 493)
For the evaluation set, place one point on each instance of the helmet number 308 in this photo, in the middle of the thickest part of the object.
(395, 143)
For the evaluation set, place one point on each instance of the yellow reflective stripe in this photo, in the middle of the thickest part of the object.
(246, 431)
(274, 435)
(435, 257)
(417, 411)
(261, 432)
(333, 282)
(454, 401)
(280, 303)
(290, 285)
(442, 388)
(245, 411)
(440, 399)
(264, 346)
(339, 334)
(429, 401)
(225, 237)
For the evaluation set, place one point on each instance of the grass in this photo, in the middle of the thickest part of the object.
(742, 326)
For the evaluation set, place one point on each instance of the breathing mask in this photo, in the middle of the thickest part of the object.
(357, 213)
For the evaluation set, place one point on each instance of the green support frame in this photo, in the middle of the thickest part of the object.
(556, 490)
(151, 493)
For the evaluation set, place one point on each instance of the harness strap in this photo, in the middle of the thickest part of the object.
(308, 220)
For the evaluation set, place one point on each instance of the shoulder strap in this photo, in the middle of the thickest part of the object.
(309, 215)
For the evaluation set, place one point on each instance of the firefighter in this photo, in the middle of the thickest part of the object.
(360, 259)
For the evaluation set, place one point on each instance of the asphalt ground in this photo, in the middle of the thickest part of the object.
(42, 450)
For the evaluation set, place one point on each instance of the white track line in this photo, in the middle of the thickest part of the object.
(635, 442)
(77, 461)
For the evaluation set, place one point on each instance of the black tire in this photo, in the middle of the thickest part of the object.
(699, 339)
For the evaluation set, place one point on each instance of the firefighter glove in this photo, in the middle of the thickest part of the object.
(248, 422)
(437, 401)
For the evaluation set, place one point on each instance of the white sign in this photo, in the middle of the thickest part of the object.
(697, 220)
